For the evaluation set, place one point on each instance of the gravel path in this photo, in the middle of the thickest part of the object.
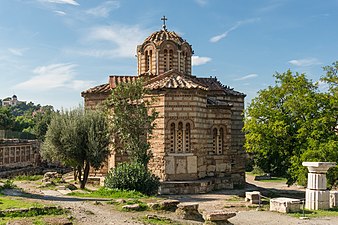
(88, 211)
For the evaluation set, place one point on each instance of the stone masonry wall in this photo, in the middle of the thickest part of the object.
(19, 153)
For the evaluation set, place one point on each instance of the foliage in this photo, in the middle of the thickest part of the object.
(12, 202)
(28, 177)
(293, 122)
(110, 193)
(8, 184)
(27, 118)
(79, 139)
(132, 176)
(132, 121)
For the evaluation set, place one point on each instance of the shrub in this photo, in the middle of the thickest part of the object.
(132, 176)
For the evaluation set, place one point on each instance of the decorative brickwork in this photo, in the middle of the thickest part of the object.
(198, 141)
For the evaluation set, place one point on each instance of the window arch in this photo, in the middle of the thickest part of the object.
(147, 61)
(180, 137)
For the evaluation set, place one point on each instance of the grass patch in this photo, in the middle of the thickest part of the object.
(12, 203)
(156, 220)
(317, 213)
(28, 177)
(275, 180)
(109, 193)
(235, 198)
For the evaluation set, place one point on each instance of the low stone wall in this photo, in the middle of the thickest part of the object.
(196, 186)
(16, 153)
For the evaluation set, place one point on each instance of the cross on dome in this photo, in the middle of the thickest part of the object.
(164, 19)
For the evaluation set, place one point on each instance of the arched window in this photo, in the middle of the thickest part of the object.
(220, 141)
(214, 140)
(187, 137)
(147, 61)
(180, 137)
(150, 60)
(186, 62)
(172, 137)
(171, 55)
(165, 58)
(183, 61)
(217, 140)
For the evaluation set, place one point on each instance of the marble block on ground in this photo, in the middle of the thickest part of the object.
(285, 205)
(253, 197)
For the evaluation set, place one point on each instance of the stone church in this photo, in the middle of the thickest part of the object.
(198, 141)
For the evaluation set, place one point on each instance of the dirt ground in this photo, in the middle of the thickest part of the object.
(89, 211)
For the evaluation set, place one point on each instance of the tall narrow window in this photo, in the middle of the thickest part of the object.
(214, 140)
(165, 57)
(183, 62)
(150, 61)
(186, 62)
(171, 55)
(179, 138)
(172, 137)
(147, 61)
(220, 141)
(187, 137)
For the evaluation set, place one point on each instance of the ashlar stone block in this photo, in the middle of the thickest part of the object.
(285, 205)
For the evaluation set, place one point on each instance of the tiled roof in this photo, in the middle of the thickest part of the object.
(215, 85)
(169, 80)
(173, 80)
(159, 36)
(103, 88)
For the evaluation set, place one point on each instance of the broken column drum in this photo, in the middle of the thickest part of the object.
(317, 196)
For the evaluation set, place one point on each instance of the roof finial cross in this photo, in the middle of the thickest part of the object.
(164, 19)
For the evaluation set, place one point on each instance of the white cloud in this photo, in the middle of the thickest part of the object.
(54, 76)
(249, 76)
(17, 51)
(198, 60)
(201, 2)
(122, 41)
(219, 37)
(104, 9)
(70, 2)
(305, 62)
(61, 13)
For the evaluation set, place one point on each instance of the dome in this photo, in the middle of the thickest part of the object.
(164, 35)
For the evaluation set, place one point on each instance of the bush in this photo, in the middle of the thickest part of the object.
(132, 176)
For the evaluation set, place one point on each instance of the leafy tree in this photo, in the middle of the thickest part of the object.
(289, 123)
(78, 139)
(132, 121)
(6, 120)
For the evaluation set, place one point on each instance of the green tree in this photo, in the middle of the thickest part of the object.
(6, 120)
(132, 121)
(79, 139)
(289, 123)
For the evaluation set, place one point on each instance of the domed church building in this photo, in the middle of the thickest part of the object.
(198, 140)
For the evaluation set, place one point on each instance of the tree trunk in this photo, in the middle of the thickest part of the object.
(85, 175)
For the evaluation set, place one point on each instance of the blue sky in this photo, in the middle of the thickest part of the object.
(51, 50)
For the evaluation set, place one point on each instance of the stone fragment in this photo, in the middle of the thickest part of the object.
(154, 205)
(188, 211)
(285, 205)
(254, 197)
(217, 217)
(133, 207)
(333, 199)
(169, 205)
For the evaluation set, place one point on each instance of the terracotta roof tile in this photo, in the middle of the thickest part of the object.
(103, 88)
(215, 85)
(173, 80)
